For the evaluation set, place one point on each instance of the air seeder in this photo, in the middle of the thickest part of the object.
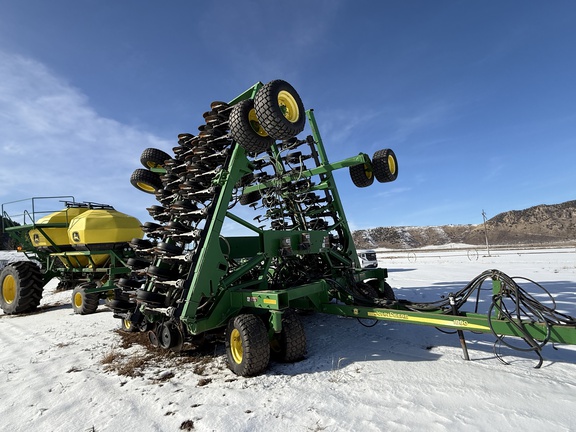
(246, 166)
(84, 245)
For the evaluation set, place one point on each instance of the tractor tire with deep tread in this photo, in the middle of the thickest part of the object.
(246, 129)
(146, 181)
(83, 303)
(154, 158)
(21, 286)
(362, 175)
(290, 344)
(247, 345)
(280, 110)
(385, 166)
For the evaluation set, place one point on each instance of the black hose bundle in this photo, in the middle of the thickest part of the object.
(512, 304)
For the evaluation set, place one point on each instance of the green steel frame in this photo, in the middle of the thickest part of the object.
(229, 292)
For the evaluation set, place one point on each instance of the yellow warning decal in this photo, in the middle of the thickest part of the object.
(269, 301)
(435, 321)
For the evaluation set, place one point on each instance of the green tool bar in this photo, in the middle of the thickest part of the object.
(322, 169)
(277, 299)
(473, 322)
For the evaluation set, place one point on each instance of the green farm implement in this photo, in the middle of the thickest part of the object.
(246, 168)
(84, 245)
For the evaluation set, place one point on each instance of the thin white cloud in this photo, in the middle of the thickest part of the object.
(52, 142)
(339, 125)
(268, 40)
(428, 117)
(394, 191)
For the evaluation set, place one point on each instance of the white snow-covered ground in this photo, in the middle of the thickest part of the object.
(63, 372)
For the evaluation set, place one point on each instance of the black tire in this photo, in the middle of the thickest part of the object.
(121, 305)
(65, 285)
(362, 175)
(365, 292)
(381, 293)
(245, 128)
(245, 180)
(137, 263)
(158, 212)
(162, 273)
(169, 249)
(388, 292)
(170, 337)
(21, 286)
(150, 297)
(385, 166)
(82, 303)
(127, 326)
(149, 227)
(139, 243)
(129, 283)
(280, 110)
(177, 227)
(290, 344)
(250, 198)
(247, 345)
(146, 181)
(154, 158)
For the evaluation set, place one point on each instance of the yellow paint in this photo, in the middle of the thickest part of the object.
(103, 226)
(236, 348)
(435, 321)
(59, 236)
(9, 289)
(289, 106)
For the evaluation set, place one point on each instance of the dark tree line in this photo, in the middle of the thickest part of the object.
(6, 242)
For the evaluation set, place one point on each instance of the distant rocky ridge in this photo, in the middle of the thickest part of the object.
(541, 224)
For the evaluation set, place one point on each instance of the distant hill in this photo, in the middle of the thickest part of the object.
(541, 224)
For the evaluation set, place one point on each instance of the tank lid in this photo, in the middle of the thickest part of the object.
(88, 205)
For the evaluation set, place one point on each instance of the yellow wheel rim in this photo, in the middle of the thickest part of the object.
(78, 299)
(236, 346)
(368, 171)
(151, 164)
(9, 289)
(289, 106)
(391, 164)
(275, 345)
(145, 187)
(127, 324)
(255, 124)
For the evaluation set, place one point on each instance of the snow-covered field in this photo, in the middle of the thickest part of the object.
(66, 372)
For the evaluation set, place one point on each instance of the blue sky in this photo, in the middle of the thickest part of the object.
(477, 99)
